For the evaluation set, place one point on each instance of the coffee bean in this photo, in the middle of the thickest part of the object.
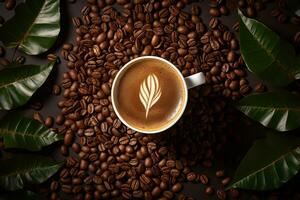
(59, 120)
(68, 139)
(54, 186)
(38, 117)
(56, 89)
(250, 11)
(64, 150)
(168, 194)
(156, 192)
(4, 62)
(209, 190)
(213, 23)
(294, 20)
(226, 181)
(191, 176)
(220, 173)
(49, 121)
(282, 18)
(214, 12)
(52, 57)
(203, 179)
(259, 87)
(244, 89)
(224, 10)
(148, 162)
(177, 187)
(234, 193)
(221, 195)
(10, 4)
(297, 37)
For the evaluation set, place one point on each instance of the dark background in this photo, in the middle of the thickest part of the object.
(232, 155)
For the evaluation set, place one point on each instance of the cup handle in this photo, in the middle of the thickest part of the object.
(195, 80)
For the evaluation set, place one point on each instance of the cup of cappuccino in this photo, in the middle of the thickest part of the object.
(149, 94)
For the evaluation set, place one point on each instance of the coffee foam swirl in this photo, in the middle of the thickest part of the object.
(150, 92)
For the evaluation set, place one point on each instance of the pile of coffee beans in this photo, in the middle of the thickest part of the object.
(107, 160)
(220, 8)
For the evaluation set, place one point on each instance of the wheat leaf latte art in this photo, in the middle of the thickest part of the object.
(150, 92)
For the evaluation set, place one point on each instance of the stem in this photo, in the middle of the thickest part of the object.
(14, 53)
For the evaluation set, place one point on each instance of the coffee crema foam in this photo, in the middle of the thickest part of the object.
(149, 95)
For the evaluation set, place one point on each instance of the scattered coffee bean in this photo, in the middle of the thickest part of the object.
(297, 37)
(221, 195)
(203, 179)
(49, 121)
(234, 193)
(10, 4)
(4, 62)
(220, 173)
(52, 57)
(209, 190)
(259, 87)
(226, 181)
(38, 117)
(56, 89)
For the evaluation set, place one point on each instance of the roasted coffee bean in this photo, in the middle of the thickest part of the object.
(220, 173)
(54, 185)
(214, 12)
(177, 187)
(250, 11)
(213, 23)
(191, 176)
(282, 18)
(56, 89)
(4, 62)
(168, 194)
(259, 87)
(59, 119)
(203, 179)
(156, 192)
(52, 57)
(221, 195)
(209, 190)
(49, 121)
(226, 181)
(10, 4)
(297, 37)
(38, 117)
(234, 193)
(68, 139)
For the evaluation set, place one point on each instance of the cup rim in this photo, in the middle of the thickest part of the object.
(124, 68)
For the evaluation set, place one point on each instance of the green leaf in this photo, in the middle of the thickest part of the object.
(19, 82)
(269, 163)
(19, 194)
(19, 170)
(25, 133)
(265, 54)
(280, 111)
(34, 28)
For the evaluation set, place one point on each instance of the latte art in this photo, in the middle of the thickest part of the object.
(149, 95)
(150, 92)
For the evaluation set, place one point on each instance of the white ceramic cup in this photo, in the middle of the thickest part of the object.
(188, 82)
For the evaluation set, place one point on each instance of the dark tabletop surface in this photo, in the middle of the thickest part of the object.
(49, 101)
